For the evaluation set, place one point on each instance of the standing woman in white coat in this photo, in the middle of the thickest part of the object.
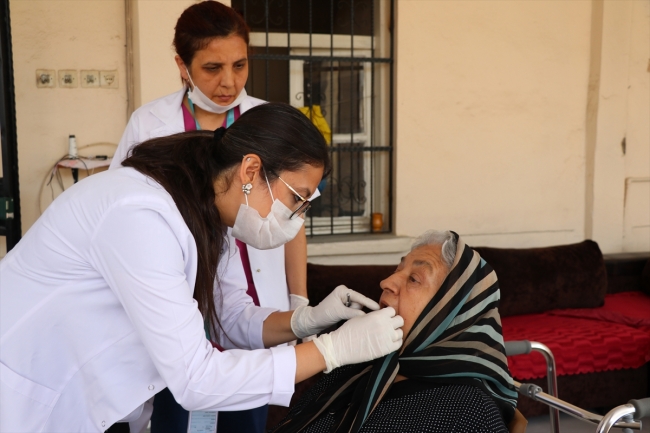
(211, 43)
(107, 297)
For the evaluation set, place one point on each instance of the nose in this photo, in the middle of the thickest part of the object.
(228, 78)
(390, 284)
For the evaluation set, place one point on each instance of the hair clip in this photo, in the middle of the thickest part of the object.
(218, 134)
(246, 188)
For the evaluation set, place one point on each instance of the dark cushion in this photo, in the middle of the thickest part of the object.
(645, 279)
(535, 280)
(625, 272)
(365, 279)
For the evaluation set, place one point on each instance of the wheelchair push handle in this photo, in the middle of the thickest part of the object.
(641, 408)
(521, 347)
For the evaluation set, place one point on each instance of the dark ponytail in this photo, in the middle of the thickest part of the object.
(188, 164)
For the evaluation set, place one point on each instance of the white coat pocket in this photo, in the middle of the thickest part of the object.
(24, 405)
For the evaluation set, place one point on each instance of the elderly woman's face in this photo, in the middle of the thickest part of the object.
(417, 278)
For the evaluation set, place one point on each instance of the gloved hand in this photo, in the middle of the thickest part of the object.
(361, 339)
(296, 301)
(307, 321)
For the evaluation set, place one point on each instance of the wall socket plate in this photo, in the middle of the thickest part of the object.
(108, 79)
(45, 78)
(89, 78)
(68, 78)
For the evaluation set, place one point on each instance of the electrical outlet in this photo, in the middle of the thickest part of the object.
(108, 79)
(89, 78)
(45, 78)
(67, 78)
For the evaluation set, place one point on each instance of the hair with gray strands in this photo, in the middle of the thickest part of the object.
(434, 237)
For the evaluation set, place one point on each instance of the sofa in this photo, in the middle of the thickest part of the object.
(593, 312)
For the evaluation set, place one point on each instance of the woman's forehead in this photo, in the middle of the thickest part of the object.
(426, 256)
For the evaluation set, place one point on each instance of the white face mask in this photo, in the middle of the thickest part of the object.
(199, 99)
(266, 233)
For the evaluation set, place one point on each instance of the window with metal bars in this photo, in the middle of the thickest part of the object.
(334, 60)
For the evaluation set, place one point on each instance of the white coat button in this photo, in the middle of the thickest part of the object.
(151, 387)
(259, 270)
(103, 423)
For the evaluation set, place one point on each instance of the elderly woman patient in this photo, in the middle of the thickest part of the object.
(450, 375)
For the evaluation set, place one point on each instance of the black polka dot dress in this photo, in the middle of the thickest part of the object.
(415, 407)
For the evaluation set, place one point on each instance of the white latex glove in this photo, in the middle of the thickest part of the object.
(296, 301)
(307, 321)
(361, 339)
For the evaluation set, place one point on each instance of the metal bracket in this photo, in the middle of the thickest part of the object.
(6, 208)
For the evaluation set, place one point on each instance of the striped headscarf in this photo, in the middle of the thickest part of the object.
(456, 339)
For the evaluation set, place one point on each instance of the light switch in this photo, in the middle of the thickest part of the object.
(108, 79)
(68, 78)
(45, 78)
(89, 78)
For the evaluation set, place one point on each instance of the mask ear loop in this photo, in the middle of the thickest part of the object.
(268, 184)
(190, 77)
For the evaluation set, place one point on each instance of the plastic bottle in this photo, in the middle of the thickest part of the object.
(72, 146)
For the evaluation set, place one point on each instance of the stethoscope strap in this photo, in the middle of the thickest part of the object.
(230, 116)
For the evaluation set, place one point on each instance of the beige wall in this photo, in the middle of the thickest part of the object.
(497, 135)
(60, 34)
(491, 119)
(622, 177)
(155, 72)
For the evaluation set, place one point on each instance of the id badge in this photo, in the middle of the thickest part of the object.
(202, 421)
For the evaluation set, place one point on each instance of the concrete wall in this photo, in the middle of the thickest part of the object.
(155, 72)
(510, 115)
(622, 155)
(492, 121)
(60, 35)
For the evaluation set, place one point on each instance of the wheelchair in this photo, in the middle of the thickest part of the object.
(627, 416)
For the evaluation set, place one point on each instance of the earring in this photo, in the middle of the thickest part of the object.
(246, 188)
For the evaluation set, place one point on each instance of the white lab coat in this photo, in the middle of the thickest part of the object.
(97, 315)
(164, 117)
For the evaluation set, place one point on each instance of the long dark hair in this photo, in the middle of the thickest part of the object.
(202, 22)
(188, 164)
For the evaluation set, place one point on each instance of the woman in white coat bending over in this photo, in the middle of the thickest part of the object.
(99, 299)
(211, 43)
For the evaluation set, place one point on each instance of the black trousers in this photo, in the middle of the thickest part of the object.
(169, 417)
(120, 427)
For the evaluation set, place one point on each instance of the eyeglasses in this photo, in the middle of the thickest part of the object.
(304, 206)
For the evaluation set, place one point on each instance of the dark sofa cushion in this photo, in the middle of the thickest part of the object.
(535, 280)
(322, 279)
(645, 279)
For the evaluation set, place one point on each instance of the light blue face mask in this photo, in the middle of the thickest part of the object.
(199, 99)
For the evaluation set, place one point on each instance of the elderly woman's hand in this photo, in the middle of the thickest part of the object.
(308, 321)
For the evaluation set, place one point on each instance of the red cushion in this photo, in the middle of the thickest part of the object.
(631, 304)
(579, 345)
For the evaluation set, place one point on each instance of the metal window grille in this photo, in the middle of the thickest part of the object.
(336, 58)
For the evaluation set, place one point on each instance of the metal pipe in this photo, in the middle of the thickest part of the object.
(551, 377)
(536, 393)
(610, 419)
(130, 86)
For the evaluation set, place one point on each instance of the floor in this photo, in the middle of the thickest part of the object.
(569, 424)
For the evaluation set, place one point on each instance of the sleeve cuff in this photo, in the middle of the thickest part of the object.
(284, 375)
(256, 324)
